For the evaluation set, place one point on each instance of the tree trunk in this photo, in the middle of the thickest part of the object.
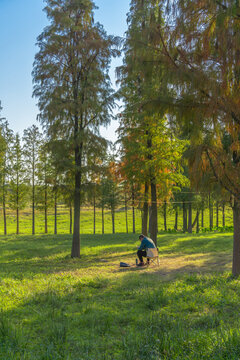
(223, 214)
(126, 213)
(145, 211)
(45, 211)
(133, 211)
(17, 203)
(236, 238)
(184, 217)
(217, 215)
(33, 209)
(113, 220)
(154, 226)
(70, 215)
(165, 215)
(102, 219)
(197, 222)
(77, 203)
(55, 214)
(189, 218)
(202, 218)
(176, 219)
(196, 219)
(94, 213)
(210, 213)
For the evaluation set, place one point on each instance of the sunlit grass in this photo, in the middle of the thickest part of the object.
(55, 307)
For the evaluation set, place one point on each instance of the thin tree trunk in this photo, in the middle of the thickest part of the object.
(133, 211)
(184, 217)
(33, 209)
(70, 215)
(113, 220)
(189, 218)
(210, 213)
(17, 203)
(202, 218)
(165, 215)
(176, 218)
(154, 226)
(126, 213)
(102, 219)
(45, 210)
(77, 202)
(223, 214)
(197, 222)
(55, 213)
(236, 238)
(217, 215)
(94, 213)
(145, 211)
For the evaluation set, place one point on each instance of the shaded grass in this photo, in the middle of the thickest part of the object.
(53, 307)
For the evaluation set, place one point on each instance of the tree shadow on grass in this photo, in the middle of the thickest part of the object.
(99, 317)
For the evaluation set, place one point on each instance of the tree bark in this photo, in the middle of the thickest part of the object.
(145, 211)
(45, 210)
(17, 203)
(154, 226)
(113, 220)
(70, 215)
(197, 222)
(102, 219)
(236, 238)
(77, 203)
(165, 215)
(126, 213)
(33, 208)
(133, 211)
(217, 215)
(184, 217)
(223, 214)
(176, 219)
(202, 218)
(94, 212)
(210, 213)
(55, 213)
(189, 218)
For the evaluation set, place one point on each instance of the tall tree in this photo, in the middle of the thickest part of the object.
(32, 139)
(5, 157)
(17, 184)
(72, 83)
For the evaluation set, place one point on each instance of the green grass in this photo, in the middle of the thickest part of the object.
(53, 307)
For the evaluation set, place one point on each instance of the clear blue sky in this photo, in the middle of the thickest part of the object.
(21, 21)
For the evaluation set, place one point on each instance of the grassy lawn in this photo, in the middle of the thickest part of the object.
(53, 307)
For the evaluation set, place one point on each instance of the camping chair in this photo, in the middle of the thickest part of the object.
(152, 256)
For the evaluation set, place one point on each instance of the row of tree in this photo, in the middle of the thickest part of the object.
(30, 174)
(180, 82)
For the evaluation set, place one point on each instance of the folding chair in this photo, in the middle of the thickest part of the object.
(152, 256)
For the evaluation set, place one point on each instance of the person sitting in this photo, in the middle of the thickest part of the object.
(146, 243)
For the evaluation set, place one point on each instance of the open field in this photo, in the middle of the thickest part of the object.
(53, 307)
